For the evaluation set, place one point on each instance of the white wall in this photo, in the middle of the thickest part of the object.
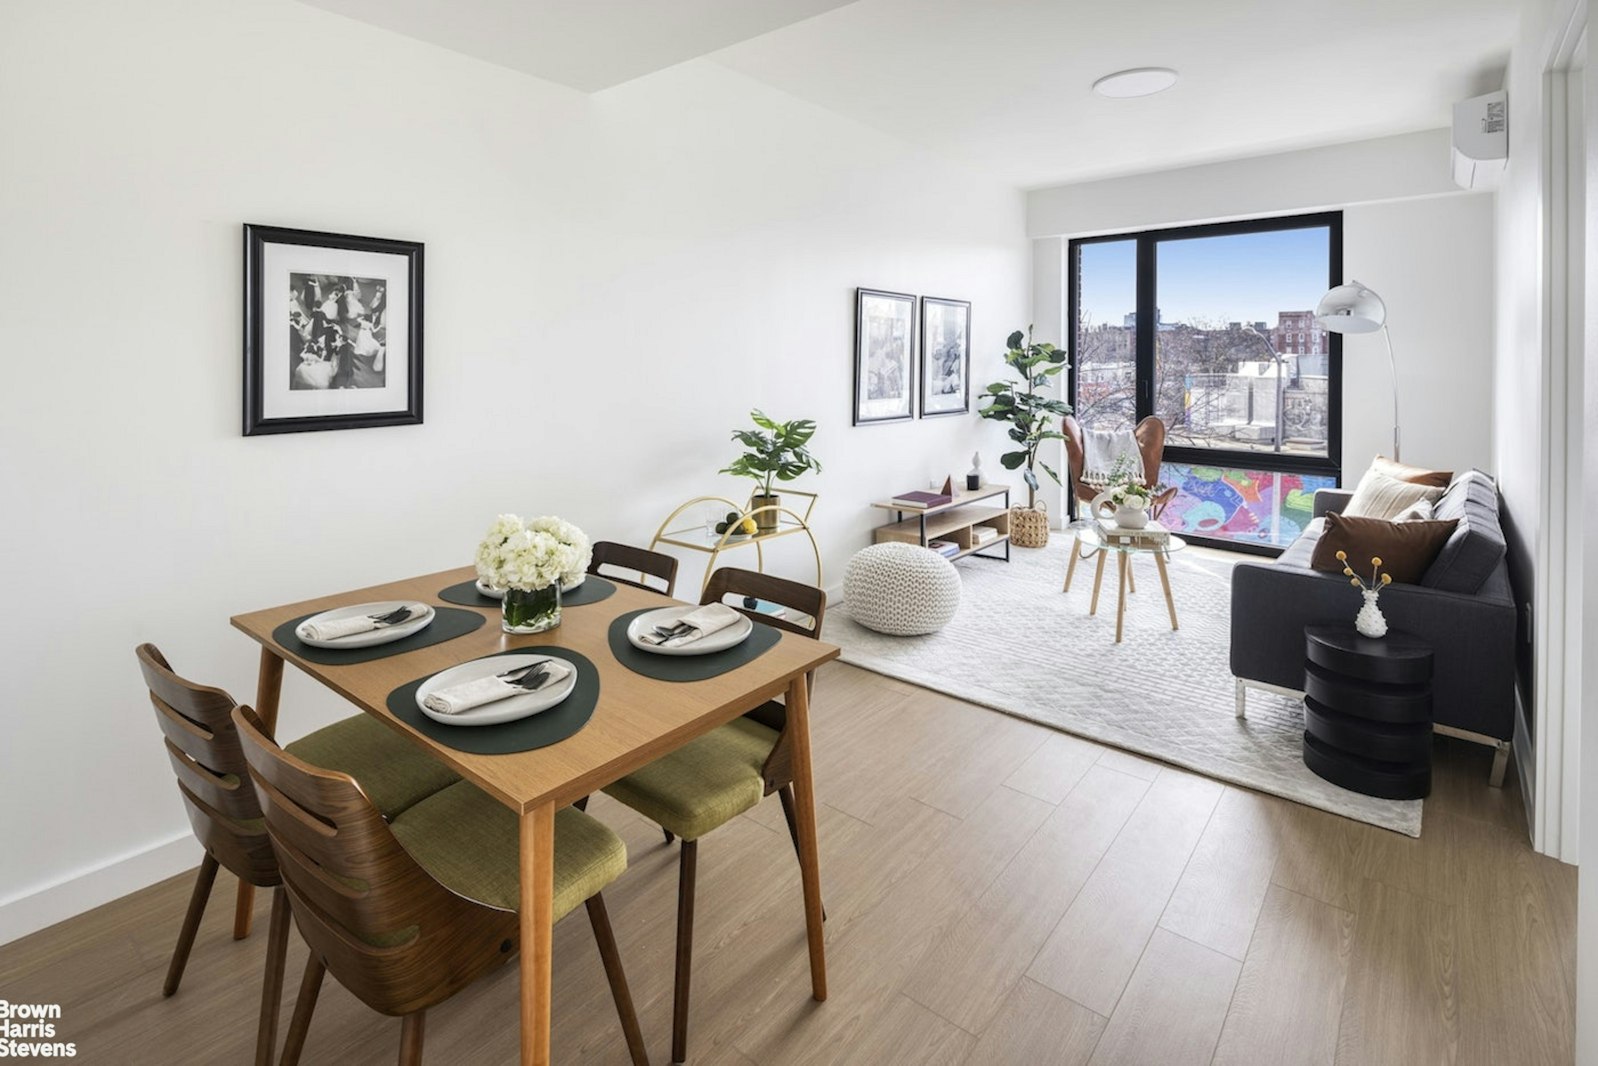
(1430, 256)
(612, 281)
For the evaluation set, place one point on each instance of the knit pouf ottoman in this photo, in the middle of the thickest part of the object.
(901, 589)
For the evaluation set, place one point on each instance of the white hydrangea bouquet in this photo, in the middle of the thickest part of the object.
(532, 560)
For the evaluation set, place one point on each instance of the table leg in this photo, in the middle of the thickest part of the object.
(1120, 599)
(537, 927)
(268, 689)
(1070, 567)
(798, 708)
(1165, 579)
(1098, 579)
(1131, 577)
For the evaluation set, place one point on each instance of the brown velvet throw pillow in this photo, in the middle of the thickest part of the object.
(1406, 549)
(1415, 475)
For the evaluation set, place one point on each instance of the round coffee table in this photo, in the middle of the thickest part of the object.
(1368, 711)
(1092, 540)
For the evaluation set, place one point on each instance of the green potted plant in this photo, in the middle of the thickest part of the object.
(776, 452)
(1034, 418)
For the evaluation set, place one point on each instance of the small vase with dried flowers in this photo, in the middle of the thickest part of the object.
(1369, 620)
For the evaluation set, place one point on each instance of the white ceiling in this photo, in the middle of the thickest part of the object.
(585, 44)
(1004, 85)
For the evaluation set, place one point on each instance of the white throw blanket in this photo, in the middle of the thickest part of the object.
(1102, 448)
(475, 693)
(711, 618)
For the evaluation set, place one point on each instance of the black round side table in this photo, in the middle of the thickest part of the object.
(1368, 711)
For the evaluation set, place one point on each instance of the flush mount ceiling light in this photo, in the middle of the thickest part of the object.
(1139, 81)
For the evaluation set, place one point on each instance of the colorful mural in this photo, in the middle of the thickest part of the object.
(1249, 506)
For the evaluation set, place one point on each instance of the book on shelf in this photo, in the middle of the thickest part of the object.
(921, 501)
(984, 534)
(946, 548)
(1153, 533)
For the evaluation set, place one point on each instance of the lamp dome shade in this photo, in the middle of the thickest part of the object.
(1351, 308)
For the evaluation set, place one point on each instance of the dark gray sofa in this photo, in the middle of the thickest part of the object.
(1464, 606)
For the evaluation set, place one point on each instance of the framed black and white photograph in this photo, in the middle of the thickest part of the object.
(332, 331)
(945, 357)
(884, 356)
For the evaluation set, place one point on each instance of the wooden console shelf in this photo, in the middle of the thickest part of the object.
(953, 522)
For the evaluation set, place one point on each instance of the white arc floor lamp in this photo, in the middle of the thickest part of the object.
(1354, 308)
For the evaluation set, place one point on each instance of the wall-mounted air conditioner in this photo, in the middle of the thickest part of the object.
(1481, 140)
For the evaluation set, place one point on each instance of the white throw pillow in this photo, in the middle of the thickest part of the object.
(1380, 496)
(1419, 511)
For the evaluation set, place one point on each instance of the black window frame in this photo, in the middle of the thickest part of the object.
(1147, 281)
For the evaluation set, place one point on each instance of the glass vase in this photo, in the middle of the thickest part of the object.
(530, 610)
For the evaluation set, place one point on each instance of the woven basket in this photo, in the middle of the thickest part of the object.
(1029, 527)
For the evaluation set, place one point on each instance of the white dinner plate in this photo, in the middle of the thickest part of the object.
(499, 594)
(720, 640)
(508, 709)
(385, 635)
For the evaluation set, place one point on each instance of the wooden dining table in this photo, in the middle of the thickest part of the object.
(637, 719)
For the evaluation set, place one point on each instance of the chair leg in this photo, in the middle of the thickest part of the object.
(300, 1024)
(277, 946)
(599, 918)
(669, 837)
(785, 793)
(685, 950)
(191, 923)
(581, 804)
(411, 1038)
(243, 910)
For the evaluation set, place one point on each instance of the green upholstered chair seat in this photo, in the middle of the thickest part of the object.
(469, 842)
(705, 783)
(393, 772)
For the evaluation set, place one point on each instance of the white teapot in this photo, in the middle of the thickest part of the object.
(1124, 513)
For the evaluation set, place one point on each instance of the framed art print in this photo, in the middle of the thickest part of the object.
(884, 356)
(945, 356)
(332, 331)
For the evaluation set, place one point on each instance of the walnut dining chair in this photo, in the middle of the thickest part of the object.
(641, 561)
(407, 913)
(212, 778)
(711, 780)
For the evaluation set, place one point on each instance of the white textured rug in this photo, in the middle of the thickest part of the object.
(1021, 646)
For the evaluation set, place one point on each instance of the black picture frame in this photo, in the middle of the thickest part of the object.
(280, 392)
(928, 399)
(876, 336)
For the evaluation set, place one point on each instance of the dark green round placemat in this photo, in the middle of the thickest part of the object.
(592, 590)
(448, 623)
(687, 667)
(535, 731)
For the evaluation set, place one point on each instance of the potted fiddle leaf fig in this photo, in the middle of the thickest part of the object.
(776, 451)
(1034, 417)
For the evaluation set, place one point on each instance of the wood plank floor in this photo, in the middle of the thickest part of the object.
(997, 893)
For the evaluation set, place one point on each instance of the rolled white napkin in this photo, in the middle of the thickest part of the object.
(333, 629)
(468, 694)
(705, 620)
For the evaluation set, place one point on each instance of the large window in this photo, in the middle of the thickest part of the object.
(1212, 329)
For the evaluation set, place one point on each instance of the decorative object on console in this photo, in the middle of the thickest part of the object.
(1354, 308)
(920, 500)
(901, 589)
(531, 560)
(946, 548)
(884, 357)
(777, 452)
(1031, 415)
(332, 331)
(945, 357)
(973, 477)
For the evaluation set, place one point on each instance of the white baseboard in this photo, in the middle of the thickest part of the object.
(36, 908)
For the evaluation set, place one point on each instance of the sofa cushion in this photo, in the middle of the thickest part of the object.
(1418, 475)
(1406, 549)
(1379, 496)
(1302, 549)
(1477, 545)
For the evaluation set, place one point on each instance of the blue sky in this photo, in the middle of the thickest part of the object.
(1246, 277)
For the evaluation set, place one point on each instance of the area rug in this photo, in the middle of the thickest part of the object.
(1021, 646)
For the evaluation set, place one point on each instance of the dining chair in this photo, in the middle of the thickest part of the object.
(643, 562)
(405, 913)
(711, 780)
(203, 746)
